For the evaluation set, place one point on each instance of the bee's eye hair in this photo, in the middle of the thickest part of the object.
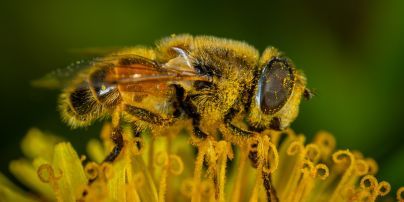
(275, 85)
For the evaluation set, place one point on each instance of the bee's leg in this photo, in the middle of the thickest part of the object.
(116, 137)
(196, 119)
(269, 189)
(185, 104)
(235, 134)
(198, 133)
(136, 132)
(147, 116)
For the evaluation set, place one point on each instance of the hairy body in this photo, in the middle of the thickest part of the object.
(220, 85)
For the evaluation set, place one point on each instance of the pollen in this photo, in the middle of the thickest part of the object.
(168, 168)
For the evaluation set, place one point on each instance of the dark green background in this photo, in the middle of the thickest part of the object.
(351, 51)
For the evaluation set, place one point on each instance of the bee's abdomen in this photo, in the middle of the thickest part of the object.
(78, 106)
(106, 93)
(81, 100)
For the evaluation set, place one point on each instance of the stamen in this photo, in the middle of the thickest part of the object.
(236, 193)
(186, 188)
(162, 160)
(343, 157)
(223, 151)
(272, 157)
(265, 167)
(47, 175)
(295, 148)
(400, 194)
(151, 158)
(176, 165)
(373, 167)
(198, 170)
(326, 142)
(163, 185)
(368, 182)
(384, 188)
(139, 179)
(91, 170)
(312, 152)
(107, 170)
(287, 170)
(362, 168)
(322, 171)
(207, 190)
(374, 189)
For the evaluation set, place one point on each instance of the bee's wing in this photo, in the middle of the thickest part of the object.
(142, 75)
(60, 78)
(93, 51)
(129, 71)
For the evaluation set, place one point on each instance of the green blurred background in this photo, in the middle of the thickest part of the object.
(351, 51)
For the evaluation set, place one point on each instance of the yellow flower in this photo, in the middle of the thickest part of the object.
(169, 168)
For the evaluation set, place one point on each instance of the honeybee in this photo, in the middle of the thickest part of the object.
(213, 82)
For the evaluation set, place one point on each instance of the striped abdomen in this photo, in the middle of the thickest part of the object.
(90, 98)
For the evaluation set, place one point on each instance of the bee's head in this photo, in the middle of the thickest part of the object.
(277, 94)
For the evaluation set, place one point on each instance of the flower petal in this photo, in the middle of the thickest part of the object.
(36, 143)
(10, 192)
(65, 159)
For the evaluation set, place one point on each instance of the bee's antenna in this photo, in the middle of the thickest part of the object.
(308, 94)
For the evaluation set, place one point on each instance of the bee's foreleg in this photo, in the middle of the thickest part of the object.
(269, 189)
(233, 133)
(237, 136)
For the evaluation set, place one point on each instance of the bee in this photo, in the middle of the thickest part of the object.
(221, 86)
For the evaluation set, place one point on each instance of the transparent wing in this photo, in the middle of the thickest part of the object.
(59, 78)
(93, 51)
(129, 71)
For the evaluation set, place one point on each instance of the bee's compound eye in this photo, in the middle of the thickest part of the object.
(275, 85)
